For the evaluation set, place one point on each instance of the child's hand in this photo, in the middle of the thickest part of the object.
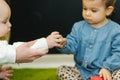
(6, 73)
(54, 39)
(62, 42)
(105, 73)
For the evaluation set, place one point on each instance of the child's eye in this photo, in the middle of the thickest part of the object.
(84, 8)
(94, 10)
(4, 22)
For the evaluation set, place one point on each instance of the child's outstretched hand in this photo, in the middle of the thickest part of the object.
(61, 43)
(105, 73)
(53, 39)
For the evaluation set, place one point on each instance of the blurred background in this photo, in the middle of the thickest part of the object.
(33, 19)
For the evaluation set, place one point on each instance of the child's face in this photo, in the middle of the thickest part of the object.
(5, 13)
(94, 12)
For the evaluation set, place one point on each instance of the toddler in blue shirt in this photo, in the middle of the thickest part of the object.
(94, 42)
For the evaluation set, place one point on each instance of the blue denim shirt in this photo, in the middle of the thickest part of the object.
(94, 48)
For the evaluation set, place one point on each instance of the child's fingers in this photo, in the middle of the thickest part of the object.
(58, 46)
(106, 76)
(54, 33)
(63, 41)
(7, 68)
(6, 78)
(58, 40)
(100, 75)
(9, 71)
(58, 36)
(9, 75)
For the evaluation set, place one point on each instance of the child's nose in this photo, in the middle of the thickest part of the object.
(87, 13)
(9, 24)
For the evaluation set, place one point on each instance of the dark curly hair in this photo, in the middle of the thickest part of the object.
(110, 2)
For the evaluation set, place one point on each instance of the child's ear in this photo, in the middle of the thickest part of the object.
(109, 10)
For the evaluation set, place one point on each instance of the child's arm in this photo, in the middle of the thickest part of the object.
(19, 53)
(42, 45)
(105, 73)
(26, 54)
(52, 40)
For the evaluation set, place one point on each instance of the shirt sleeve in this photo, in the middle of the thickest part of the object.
(7, 53)
(40, 44)
(71, 40)
(113, 62)
(16, 44)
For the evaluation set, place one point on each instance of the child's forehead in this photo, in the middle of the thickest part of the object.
(92, 2)
(4, 10)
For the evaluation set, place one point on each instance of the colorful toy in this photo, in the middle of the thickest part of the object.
(96, 78)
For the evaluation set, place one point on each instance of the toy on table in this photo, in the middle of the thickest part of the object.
(96, 78)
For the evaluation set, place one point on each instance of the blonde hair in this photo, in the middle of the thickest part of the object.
(6, 37)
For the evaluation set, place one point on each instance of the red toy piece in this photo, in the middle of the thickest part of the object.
(96, 78)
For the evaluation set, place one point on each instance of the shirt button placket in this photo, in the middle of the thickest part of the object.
(86, 62)
(95, 30)
(91, 46)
